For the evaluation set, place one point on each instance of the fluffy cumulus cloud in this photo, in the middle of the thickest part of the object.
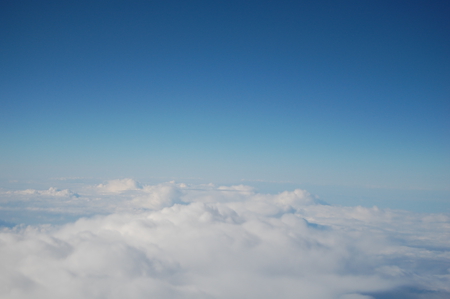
(182, 241)
(118, 186)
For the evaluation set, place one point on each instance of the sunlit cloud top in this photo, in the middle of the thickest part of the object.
(175, 240)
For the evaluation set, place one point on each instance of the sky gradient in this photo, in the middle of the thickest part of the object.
(224, 149)
(316, 94)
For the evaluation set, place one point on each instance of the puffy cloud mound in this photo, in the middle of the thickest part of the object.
(181, 241)
(118, 186)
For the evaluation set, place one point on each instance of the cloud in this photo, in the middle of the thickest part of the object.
(52, 191)
(185, 241)
(118, 186)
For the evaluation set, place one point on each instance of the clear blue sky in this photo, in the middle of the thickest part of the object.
(335, 93)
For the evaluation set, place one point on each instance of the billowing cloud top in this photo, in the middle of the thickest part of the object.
(183, 241)
(118, 186)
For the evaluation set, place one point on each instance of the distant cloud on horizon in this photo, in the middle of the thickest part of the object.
(175, 240)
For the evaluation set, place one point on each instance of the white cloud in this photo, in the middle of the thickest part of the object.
(182, 241)
(118, 186)
(52, 191)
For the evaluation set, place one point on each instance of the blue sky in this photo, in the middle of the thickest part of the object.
(323, 127)
(313, 93)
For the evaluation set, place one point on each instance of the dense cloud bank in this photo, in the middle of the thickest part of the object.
(180, 241)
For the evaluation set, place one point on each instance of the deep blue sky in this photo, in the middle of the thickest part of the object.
(342, 93)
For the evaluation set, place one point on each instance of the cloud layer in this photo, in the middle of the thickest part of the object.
(181, 241)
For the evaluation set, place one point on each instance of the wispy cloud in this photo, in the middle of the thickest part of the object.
(50, 192)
